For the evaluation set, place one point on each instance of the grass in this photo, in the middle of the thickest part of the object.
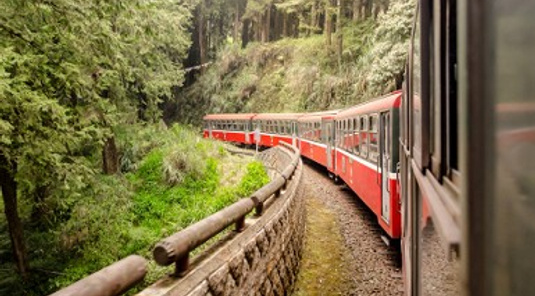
(160, 193)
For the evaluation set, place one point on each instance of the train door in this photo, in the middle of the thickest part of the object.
(385, 155)
(328, 139)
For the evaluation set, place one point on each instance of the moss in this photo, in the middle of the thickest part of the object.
(323, 269)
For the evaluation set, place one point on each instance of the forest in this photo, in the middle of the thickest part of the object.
(101, 104)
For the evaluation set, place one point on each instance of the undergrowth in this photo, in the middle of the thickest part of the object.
(171, 179)
(303, 74)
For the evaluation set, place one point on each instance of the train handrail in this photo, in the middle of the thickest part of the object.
(177, 247)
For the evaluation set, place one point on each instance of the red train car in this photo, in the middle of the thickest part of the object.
(271, 128)
(229, 127)
(366, 157)
(316, 137)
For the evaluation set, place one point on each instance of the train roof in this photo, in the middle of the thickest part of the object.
(229, 116)
(318, 115)
(385, 102)
(278, 116)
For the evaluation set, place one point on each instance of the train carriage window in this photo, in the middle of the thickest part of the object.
(343, 144)
(288, 127)
(337, 135)
(349, 131)
(342, 133)
(356, 140)
(373, 151)
(318, 132)
(350, 135)
(339, 140)
(364, 136)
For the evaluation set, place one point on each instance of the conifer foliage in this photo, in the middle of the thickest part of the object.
(70, 72)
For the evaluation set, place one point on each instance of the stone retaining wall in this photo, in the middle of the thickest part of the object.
(261, 260)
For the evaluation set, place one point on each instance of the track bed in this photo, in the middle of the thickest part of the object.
(373, 268)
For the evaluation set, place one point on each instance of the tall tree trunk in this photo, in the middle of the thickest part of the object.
(245, 32)
(296, 27)
(355, 10)
(236, 22)
(339, 33)
(266, 24)
(275, 31)
(313, 16)
(9, 193)
(258, 27)
(367, 8)
(110, 158)
(376, 8)
(202, 40)
(285, 25)
(328, 24)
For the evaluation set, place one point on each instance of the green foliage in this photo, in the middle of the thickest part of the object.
(115, 216)
(255, 178)
(71, 71)
(303, 75)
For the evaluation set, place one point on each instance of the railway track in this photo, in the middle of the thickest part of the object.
(374, 267)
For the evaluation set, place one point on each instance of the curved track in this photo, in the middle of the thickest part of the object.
(374, 268)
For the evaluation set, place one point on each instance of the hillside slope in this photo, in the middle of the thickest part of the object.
(304, 74)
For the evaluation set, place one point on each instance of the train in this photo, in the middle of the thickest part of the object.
(447, 163)
(346, 142)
